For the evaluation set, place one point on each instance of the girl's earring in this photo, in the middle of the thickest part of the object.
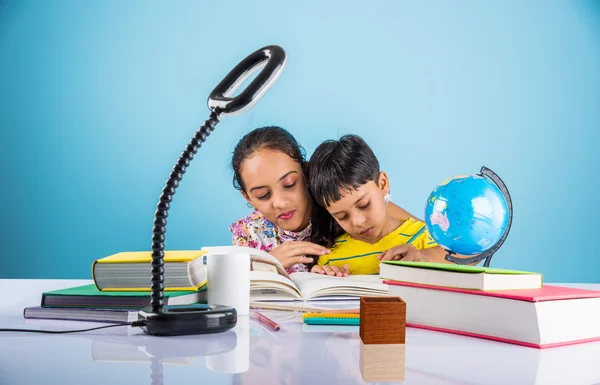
(250, 206)
(386, 198)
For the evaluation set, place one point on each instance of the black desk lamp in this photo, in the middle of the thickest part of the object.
(199, 319)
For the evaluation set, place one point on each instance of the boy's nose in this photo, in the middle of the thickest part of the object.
(358, 221)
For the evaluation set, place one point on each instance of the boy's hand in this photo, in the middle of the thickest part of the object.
(331, 270)
(406, 252)
(293, 252)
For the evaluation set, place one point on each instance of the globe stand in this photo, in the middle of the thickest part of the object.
(488, 254)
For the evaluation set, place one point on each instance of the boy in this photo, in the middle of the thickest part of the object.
(345, 179)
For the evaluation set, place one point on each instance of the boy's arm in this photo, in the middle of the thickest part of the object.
(435, 254)
(432, 252)
(409, 252)
(438, 254)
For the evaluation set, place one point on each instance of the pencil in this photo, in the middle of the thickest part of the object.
(265, 320)
(299, 308)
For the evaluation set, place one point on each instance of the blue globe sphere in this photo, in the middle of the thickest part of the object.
(467, 214)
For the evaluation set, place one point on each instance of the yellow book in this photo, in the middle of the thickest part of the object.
(132, 271)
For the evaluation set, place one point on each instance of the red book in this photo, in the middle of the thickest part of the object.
(541, 318)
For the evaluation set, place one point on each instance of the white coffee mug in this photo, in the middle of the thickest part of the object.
(228, 278)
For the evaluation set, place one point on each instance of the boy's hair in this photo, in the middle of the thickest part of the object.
(269, 137)
(337, 166)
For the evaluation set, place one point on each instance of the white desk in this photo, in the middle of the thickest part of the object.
(295, 355)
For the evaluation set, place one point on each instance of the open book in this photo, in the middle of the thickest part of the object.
(269, 281)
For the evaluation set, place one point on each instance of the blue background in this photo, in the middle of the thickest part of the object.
(98, 100)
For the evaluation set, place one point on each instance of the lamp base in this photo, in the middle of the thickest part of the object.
(180, 320)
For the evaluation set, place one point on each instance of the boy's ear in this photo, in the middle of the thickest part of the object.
(384, 183)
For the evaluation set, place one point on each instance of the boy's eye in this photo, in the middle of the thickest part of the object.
(365, 205)
(343, 218)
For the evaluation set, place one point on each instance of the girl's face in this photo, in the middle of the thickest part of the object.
(275, 185)
(362, 212)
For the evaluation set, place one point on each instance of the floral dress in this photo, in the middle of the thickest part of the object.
(258, 232)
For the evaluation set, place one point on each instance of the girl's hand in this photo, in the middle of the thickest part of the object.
(406, 252)
(331, 270)
(293, 252)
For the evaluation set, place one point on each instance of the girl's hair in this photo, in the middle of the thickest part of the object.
(337, 166)
(269, 137)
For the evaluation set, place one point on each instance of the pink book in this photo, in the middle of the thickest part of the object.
(569, 322)
(545, 293)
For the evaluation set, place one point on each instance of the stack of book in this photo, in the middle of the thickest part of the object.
(122, 287)
(496, 304)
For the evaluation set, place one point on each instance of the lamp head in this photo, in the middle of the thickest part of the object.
(271, 59)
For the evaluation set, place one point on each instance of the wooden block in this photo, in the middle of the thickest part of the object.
(382, 320)
(383, 363)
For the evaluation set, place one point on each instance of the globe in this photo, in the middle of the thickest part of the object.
(467, 214)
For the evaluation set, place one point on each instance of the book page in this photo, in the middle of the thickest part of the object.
(313, 285)
(255, 255)
(261, 261)
(268, 285)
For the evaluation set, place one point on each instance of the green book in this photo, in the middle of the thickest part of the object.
(460, 276)
(331, 321)
(88, 296)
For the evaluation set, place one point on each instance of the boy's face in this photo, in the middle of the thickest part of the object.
(276, 187)
(362, 212)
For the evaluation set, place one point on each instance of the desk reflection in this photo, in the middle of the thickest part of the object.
(383, 362)
(225, 352)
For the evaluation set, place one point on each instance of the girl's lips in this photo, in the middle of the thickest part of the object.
(287, 215)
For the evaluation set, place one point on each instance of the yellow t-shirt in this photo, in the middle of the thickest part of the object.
(361, 257)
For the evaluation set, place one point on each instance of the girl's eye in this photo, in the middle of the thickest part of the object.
(289, 186)
(263, 197)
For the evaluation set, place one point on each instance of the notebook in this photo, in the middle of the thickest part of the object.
(460, 276)
(541, 318)
(81, 314)
(88, 296)
(127, 271)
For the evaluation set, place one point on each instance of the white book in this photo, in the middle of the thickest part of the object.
(460, 276)
(541, 318)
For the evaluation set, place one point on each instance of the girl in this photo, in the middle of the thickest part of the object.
(345, 179)
(269, 168)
